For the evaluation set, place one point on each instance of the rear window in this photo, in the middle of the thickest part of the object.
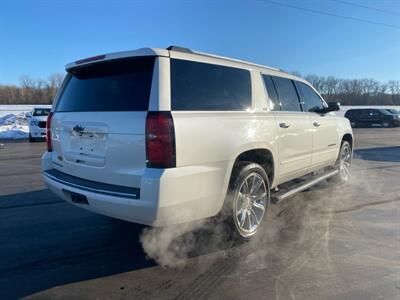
(119, 85)
(203, 86)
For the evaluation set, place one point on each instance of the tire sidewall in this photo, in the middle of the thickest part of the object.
(344, 143)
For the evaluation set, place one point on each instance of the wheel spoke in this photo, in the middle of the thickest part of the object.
(256, 185)
(246, 187)
(241, 197)
(258, 197)
(255, 216)
(242, 217)
(249, 220)
(345, 168)
(259, 206)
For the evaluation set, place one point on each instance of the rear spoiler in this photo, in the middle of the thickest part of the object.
(117, 55)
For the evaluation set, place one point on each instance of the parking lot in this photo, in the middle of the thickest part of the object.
(330, 242)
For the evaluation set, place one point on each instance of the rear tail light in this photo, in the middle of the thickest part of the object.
(160, 140)
(48, 132)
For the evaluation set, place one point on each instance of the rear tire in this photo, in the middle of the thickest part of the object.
(247, 200)
(343, 164)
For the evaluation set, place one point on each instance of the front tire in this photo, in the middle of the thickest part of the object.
(248, 200)
(31, 139)
(343, 163)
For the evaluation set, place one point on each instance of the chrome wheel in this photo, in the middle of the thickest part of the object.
(250, 204)
(345, 161)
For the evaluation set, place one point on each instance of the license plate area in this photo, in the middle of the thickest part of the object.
(77, 198)
(89, 144)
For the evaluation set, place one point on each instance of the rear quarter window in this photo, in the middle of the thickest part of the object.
(119, 85)
(203, 86)
(274, 104)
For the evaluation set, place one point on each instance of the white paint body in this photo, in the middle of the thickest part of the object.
(207, 145)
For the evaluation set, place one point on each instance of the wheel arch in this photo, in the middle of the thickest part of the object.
(348, 137)
(262, 156)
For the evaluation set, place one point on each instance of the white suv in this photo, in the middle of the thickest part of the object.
(165, 136)
(37, 123)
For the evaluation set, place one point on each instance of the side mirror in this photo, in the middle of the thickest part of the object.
(333, 106)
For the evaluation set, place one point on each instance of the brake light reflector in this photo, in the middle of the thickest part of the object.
(48, 132)
(160, 140)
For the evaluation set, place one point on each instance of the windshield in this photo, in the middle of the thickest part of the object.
(386, 112)
(121, 85)
(41, 111)
(393, 111)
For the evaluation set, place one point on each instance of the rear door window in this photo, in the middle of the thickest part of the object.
(273, 96)
(287, 94)
(117, 85)
(203, 86)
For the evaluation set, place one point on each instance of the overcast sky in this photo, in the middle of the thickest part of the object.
(40, 37)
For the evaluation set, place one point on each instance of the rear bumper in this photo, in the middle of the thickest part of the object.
(166, 197)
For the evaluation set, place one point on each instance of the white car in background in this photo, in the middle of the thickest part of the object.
(37, 123)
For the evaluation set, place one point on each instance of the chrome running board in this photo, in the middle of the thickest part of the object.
(279, 196)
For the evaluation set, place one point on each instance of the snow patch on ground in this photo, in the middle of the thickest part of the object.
(14, 126)
(14, 121)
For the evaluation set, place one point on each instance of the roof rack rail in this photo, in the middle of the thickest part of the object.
(180, 49)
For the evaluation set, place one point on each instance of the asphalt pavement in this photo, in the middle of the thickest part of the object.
(329, 242)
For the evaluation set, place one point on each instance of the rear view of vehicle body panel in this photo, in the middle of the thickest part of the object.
(100, 152)
(110, 148)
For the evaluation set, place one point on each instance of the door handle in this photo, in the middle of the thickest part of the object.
(284, 125)
(316, 124)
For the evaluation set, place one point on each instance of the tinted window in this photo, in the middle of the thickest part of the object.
(386, 112)
(351, 113)
(273, 97)
(201, 86)
(375, 112)
(41, 111)
(121, 85)
(287, 94)
(365, 113)
(312, 101)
